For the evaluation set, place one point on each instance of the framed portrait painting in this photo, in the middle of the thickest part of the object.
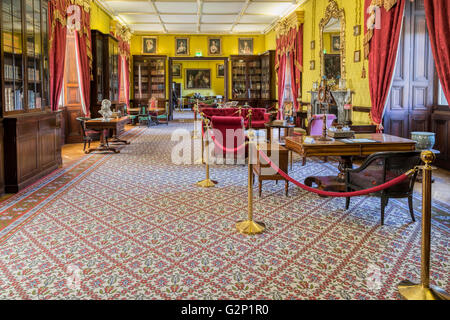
(176, 70)
(181, 46)
(357, 56)
(149, 45)
(245, 45)
(198, 79)
(214, 46)
(336, 43)
(220, 70)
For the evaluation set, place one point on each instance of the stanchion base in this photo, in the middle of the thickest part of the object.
(207, 183)
(199, 161)
(413, 291)
(195, 135)
(250, 227)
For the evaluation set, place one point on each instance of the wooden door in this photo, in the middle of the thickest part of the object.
(72, 97)
(410, 101)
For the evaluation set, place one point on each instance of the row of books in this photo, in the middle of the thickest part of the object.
(34, 100)
(33, 74)
(13, 99)
(12, 72)
(158, 87)
(157, 72)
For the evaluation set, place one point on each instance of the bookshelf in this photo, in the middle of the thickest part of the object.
(149, 78)
(253, 79)
(28, 129)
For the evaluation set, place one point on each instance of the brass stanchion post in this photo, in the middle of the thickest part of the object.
(201, 160)
(207, 183)
(195, 132)
(249, 226)
(423, 290)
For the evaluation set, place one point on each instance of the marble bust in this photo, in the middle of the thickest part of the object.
(105, 111)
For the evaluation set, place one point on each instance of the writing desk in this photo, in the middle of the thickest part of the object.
(116, 125)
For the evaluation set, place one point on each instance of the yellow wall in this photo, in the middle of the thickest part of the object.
(100, 20)
(354, 81)
(217, 84)
(166, 46)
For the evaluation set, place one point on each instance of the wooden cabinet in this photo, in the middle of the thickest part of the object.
(253, 79)
(440, 124)
(24, 56)
(2, 175)
(149, 78)
(32, 148)
(105, 71)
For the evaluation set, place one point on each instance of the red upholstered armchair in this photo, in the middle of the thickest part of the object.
(225, 129)
(259, 115)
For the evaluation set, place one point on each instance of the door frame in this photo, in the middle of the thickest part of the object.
(174, 59)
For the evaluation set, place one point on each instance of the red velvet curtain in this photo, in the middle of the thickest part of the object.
(438, 21)
(126, 76)
(119, 75)
(296, 60)
(382, 58)
(124, 68)
(291, 43)
(83, 38)
(57, 52)
(281, 81)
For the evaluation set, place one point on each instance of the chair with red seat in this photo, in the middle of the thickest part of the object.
(224, 129)
(89, 135)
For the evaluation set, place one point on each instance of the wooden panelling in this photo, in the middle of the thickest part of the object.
(32, 144)
(2, 176)
(72, 126)
(440, 122)
(411, 97)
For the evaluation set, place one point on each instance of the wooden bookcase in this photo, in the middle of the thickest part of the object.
(30, 138)
(149, 78)
(253, 79)
(105, 71)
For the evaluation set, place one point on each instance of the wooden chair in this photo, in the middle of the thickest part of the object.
(380, 168)
(157, 114)
(88, 135)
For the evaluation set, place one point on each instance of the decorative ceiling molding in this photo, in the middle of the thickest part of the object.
(198, 16)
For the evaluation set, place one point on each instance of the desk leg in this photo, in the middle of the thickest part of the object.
(104, 146)
(345, 162)
(269, 134)
(116, 139)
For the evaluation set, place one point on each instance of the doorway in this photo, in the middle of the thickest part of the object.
(183, 83)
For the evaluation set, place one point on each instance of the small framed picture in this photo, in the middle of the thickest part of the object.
(245, 45)
(357, 56)
(176, 70)
(149, 45)
(214, 46)
(313, 44)
(336, 43)
(357, 30)
(181, 46)
(220, 71)
(312, 65)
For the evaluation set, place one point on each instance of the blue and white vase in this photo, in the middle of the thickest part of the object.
(425, 140)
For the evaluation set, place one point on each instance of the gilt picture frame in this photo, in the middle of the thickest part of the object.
(198, 79)
(149, 45)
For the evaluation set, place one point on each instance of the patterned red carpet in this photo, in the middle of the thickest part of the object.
(134, 226)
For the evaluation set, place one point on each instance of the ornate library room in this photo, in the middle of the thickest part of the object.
(205, 151)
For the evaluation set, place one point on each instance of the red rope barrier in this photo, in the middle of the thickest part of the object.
(227, 150)
(383, 186)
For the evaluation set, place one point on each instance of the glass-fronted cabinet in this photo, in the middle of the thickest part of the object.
(253, 79)
(149, 78)
(24, 42)
(105, 71)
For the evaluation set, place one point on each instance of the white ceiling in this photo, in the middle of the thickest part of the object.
(199, 16)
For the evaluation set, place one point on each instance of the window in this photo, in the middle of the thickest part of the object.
(441, 96)
(288, 95)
